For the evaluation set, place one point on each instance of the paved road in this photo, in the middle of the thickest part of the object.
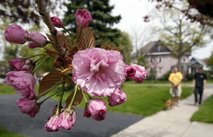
(12, 119)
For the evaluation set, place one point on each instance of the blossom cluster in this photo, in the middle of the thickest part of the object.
(95, 73)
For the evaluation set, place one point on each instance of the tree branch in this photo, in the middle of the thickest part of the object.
(46, 18)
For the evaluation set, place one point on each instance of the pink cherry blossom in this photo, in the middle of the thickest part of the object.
(53, 124)
(22, 81)
(95, 109)
(67, 119)
(15, 34)
(56, 22)
(36, 40)
(98, 71)
(136, 72)
(83, 17)
(28, 106)
(117, 97)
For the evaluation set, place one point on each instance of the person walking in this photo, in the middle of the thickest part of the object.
(175, 79)
(199, 83)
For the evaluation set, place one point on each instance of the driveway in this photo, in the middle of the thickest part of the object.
(12, 119)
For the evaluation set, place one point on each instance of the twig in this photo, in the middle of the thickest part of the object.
(46, 18)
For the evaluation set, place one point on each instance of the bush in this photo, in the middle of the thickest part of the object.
(165, 76)
(189, 77)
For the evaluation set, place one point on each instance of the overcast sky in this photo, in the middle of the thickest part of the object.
(132, 13)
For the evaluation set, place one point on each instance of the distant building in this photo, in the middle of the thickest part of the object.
(195, 63)
(160, 59)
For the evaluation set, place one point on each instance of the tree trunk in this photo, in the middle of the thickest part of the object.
(180, 48)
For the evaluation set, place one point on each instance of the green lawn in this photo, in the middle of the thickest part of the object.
(4, 89)
(145, 100)
(205, 112)
(164, 82)
(5, 133)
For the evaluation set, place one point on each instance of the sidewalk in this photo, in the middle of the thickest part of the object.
(171, 123)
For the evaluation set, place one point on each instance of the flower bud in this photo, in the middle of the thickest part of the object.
(83, 17)
(130, 71)
(15, 34)
(56, 22)
(21, 64)
(67, 119)
(136, 72)
(117, 97)
(95, 109)
(28, 106)
(36, 40)
(52, 124)
(17, 63)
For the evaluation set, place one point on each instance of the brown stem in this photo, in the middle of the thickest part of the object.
(46, 18)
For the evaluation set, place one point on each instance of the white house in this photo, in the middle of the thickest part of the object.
(160, 59)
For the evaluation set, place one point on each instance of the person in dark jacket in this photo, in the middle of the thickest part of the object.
(199, 83)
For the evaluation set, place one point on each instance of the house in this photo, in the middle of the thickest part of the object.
(159, 58)
(195, 63)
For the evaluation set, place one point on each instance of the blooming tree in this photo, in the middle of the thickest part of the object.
(95, 73)
(204, 16)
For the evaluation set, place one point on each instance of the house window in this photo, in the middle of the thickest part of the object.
(184, 59)
(159, 48)
(159, 59)
(160, 68)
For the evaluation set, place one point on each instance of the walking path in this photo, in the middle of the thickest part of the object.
(171, 123)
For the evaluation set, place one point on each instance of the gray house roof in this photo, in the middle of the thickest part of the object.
(198, 62)
(153, 48)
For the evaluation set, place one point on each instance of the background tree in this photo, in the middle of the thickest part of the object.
(24, 10)
(210, 60)
(102, 19)
(139, 39)
(125, 46)
(205, 8)
(180, 35)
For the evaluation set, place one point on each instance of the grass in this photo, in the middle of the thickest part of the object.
(164, 82)
(145, 100)
(205, 112)
(5, 133)
(4, 89)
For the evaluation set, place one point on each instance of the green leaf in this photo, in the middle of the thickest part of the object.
(77, 100)
(40, 62)
(49, 81)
